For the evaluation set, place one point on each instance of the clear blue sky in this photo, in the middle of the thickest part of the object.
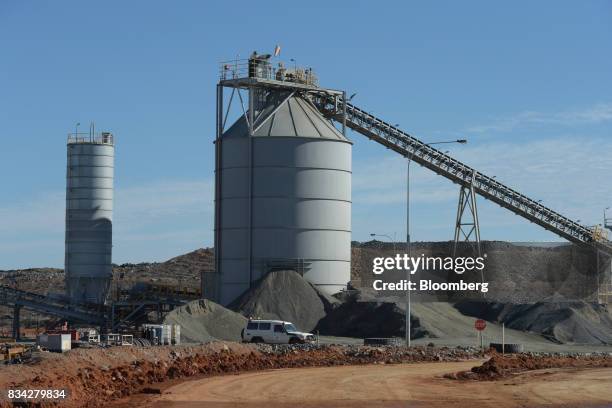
(528, 83)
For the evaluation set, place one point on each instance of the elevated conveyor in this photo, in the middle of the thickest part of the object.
(332, 106)
(121, 314)
(242, 74)
(258, 75)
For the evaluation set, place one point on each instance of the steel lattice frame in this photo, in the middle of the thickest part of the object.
(444, 165)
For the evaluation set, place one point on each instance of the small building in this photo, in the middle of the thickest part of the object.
(59, 342)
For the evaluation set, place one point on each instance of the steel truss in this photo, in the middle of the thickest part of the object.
(334, 106)
(467, 231)
(446, 166)
(604, 276)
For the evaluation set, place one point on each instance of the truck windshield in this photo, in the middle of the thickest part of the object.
(290, 328)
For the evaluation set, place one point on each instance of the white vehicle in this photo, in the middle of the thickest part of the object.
(274, 331)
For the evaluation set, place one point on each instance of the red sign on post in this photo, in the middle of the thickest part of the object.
(480, 325)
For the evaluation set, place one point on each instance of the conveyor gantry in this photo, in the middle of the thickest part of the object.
(333, 105)
(460, 173)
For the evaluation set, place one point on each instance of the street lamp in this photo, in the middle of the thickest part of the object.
(605, 218)
(386, 236)
(408, 246)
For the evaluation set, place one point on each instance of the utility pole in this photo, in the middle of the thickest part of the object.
(408, 242)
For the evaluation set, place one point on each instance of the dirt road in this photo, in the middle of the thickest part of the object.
(389, 386)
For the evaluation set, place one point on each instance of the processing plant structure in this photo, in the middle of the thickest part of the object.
(282, 176)
(284, 202)
(88, 299)
(89, 217)
(282, 198)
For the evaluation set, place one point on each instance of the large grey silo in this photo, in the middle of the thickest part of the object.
(89, 217)
(285, 199)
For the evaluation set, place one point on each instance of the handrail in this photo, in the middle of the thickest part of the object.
(263, 68)
(105, 138)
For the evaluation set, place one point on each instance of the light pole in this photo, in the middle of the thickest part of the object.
(408, 243)
(386, 236)
(605, 221)
(76, 130)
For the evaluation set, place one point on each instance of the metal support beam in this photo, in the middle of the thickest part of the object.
(213, 293)
(401, 142)
(251, 119)
(128, 317)
(604, 276)
(16, 322)
(112, 317)
(344, 114)
(467, 230)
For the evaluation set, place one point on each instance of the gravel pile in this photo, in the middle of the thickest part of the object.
(284, 295)
(203, 321)
(369, 319)
(556, 319)
(516, 273)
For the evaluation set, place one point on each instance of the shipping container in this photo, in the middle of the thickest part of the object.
(54, 342)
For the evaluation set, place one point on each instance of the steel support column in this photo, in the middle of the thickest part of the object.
(251, 120)
(604, 276)
(467, 230)
(16, 322)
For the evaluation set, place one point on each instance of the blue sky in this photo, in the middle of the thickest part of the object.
(528, 83)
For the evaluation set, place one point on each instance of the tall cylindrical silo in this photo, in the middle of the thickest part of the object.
(284, 200)
(89, 217)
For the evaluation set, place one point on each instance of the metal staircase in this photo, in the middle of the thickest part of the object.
(333, 106)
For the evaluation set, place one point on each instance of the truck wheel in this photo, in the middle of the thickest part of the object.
(295, 340)
(257, 340)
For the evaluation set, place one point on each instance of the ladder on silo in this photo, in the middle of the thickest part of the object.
(427, 156)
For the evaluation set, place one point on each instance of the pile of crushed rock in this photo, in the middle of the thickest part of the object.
(286, 295)
(556, 319)
(203, 321)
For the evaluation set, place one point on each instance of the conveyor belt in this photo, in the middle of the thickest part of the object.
(444, 165)
(55, 307)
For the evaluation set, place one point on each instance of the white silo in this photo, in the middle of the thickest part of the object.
(284, 200)
(89, 217)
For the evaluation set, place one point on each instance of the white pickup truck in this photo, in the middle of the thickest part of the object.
(274, 331)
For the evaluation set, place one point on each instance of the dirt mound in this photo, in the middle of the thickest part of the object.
(204, 321)
(183, 270)
(94, 377)
(284, 295)
(556, 319)
(499, 366)
(369, 319)
(515, 273)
